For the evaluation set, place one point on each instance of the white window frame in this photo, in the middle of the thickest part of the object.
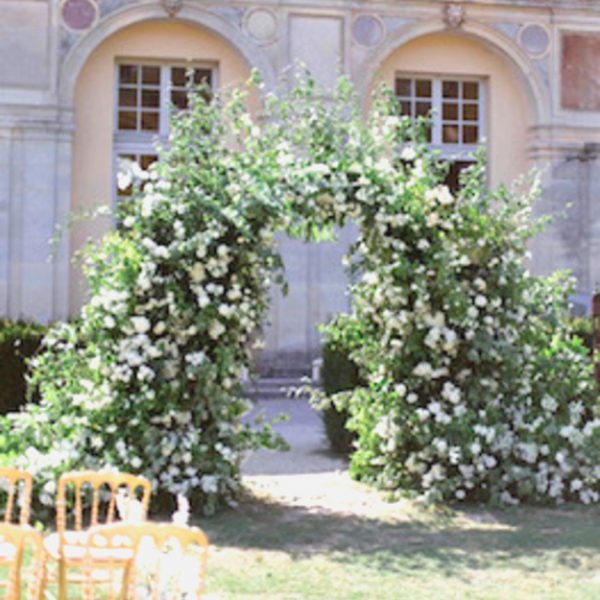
(459, 151)
(144, 142)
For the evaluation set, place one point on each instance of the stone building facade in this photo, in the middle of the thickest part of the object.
(83, 82)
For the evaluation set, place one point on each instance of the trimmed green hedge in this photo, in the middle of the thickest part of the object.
(338, 374)
(19, 341)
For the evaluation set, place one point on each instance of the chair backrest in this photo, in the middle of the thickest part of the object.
(168, 560)
(17, 486)
(20, 544)
(88, 498)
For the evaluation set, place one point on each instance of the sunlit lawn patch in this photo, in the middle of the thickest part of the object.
(267, 550)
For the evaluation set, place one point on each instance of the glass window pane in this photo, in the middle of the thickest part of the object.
(450, 134)
(403, 87)
(470, 112)
(423, 87)
(423, 109)
(146, 160)
(203, 76)
(450, 89)
(151, 98)
(450, 111)
(127, 120)
(128, 74)
(151, 75)
(179, 76)
(470, 134)
(127, 96)
(179, 99)
(453, 177)
(470, 90)
(150, 121)
(405, 108)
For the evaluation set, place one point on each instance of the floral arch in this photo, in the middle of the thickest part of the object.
(476, 388)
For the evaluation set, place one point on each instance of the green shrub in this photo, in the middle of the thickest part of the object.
(338, 374)
(583, 328)
(19, 341)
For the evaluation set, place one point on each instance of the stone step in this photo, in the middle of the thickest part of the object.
(278, 388)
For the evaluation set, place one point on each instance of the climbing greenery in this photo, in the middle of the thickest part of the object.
(475, 388)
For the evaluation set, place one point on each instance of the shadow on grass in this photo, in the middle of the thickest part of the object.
(526, 538)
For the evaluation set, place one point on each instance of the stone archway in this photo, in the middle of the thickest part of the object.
(79, 54)
(503, 115)
(93, 94)
(535, 89)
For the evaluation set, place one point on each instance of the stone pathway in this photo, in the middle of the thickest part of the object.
(309, 474)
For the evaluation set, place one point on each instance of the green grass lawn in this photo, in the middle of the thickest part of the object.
(268, 550)
(276, 551)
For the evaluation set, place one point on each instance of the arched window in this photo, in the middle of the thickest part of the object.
(456, 107)
(146, 94)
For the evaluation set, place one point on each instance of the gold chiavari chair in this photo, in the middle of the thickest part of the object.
(15, 541)
(86, 499)
(150, 560)
(17, 486)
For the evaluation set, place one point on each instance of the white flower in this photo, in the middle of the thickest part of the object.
(451, 393)
(408, 153)
(480, 300)
(216, 329)
(140, 324)
(160, 328)
(506, 498)
(209, 484)
(549, 404)
(197, 273)
(423, 369)
(400, 389)
(434, 408)
(576, 485)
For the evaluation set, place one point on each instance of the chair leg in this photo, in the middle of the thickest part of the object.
(41, 580)
(126, 586)
(62, 580)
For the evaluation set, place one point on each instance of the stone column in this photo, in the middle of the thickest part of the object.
(35, 198)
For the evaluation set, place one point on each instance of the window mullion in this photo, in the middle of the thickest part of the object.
(165, 104)
(436, 136)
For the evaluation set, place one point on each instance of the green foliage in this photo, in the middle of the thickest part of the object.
(583, 328)
(338, 374)
(19, 341)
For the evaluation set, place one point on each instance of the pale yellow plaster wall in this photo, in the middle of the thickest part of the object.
(92, 183)
(506, 106)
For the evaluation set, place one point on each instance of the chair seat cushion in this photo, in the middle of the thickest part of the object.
(7, 552)
(75, 549)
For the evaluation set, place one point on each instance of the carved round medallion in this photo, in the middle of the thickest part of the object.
(367, 30)
(79, 14)
(261, 24)
(535, 40)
